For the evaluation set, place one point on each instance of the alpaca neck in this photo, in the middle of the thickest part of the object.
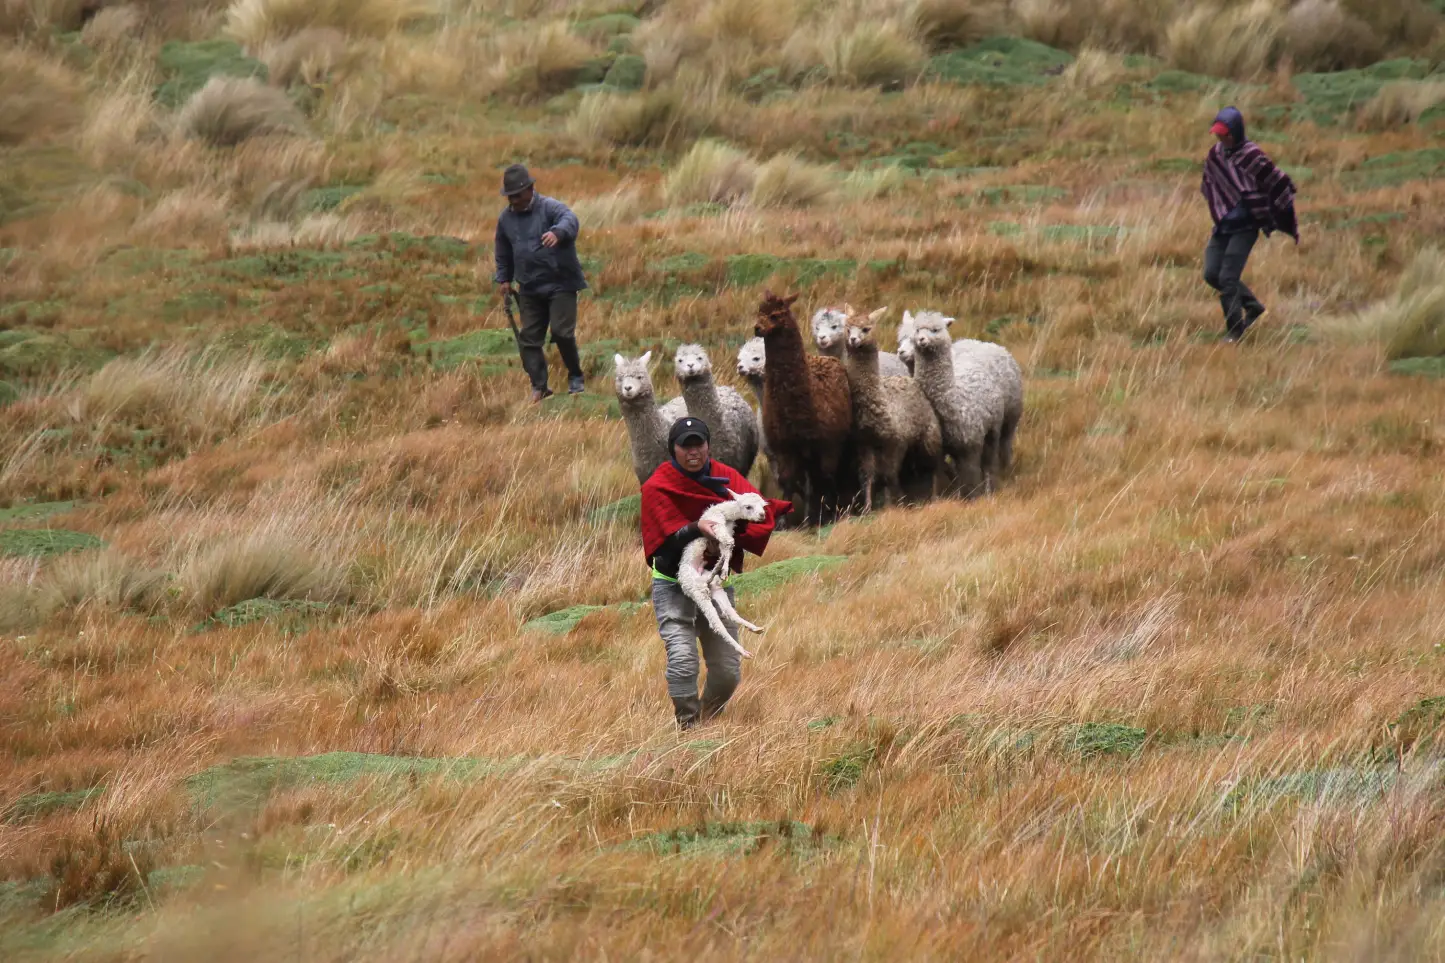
(863, 374)
(785, 379)
(701, 396)
(934, 372)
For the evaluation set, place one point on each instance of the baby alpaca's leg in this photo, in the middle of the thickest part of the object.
(720, 599)
(715, 622)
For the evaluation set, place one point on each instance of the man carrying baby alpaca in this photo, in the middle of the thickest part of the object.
(673, 500)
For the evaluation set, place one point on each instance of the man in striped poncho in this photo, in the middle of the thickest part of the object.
(1246, 194)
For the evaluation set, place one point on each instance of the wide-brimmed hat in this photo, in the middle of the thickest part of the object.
(515, 180)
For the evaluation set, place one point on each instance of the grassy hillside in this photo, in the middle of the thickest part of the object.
(317, 640)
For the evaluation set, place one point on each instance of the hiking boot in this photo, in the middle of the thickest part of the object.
(1249, 318)
(575, 385)
(539, 393)
(686, 709)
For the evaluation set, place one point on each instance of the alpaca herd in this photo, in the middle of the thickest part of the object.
(842, 425)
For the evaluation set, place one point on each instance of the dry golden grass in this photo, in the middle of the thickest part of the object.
(1239, 41)
(39, 98)
(254, 22)
(1323, 35)
(1401, 103)
(1159, 697)
(307, 56)
(229, 110)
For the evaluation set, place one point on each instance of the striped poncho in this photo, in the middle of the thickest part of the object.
(1247, 172)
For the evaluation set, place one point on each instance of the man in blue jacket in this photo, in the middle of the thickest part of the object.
(536, 247)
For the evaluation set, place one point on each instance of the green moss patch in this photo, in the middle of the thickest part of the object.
(1018, 194)
(246, 782)
(42, 542)
(731, 839)
(472, 346)
(39, 354)
(628, 72)
(565, 620)
(37, 805)
(1329, 96)
(35, 510)
(1390, 170)
(188, 66)
(1420, 725)
(623, 510)
(750, 270)
(771, 576)
(1001, 61)
(1352, 784)
(289, 614)
(1423, 367)
(1106, 739)
(323, 199)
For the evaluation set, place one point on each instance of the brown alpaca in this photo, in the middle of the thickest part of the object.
(807, 413)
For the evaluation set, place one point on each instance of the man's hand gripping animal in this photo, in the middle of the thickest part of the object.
(704, 585)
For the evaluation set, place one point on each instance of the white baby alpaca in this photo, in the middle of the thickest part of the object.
(705, 586)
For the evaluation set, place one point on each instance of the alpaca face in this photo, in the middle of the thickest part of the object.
(691, 363)
(860, 337)
(930, 333)
(830, 327)
(632, 380)
(751, 358)
(774, 314)
(754, 506)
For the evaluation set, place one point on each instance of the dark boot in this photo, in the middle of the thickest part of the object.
(687, 709)
(567, 348)
(713, 707)
(535, 364)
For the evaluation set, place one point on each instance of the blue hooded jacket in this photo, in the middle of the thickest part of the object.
(1238, 220)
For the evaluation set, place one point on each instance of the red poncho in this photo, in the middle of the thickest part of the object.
(671, 500)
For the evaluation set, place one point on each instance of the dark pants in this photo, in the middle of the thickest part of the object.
(1224, 260)
(540, 312)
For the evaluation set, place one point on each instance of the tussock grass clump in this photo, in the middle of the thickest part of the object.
(789, 181)
(307, 56)
(228, 111)
(263, 565)
(186, 216)
(861, 55)
(1237, 41)
(107, 579)
(1401, 103)
(39, 97)
(711, 172)
(1412, 323)
(114, 27)
(955, 23)
(547, 61)
(1323, 35)
(656, 118)
(253, 22)
(626, 203)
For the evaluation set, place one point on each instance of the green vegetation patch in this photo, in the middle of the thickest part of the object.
(188, 66)
(9, 394)
(1018, 194)
(246, 782)
(565, 620)
(1420, 725)
(472, 346)
(319, 200)
(1423, 367)
(1106, 739)
(37, 805)
(732, 839)
(750, 270)
(292, 264)
(628, 72)
(35, 510)
(771, 576)
(1330, 95)
(38, 354)
(1340, 784)
(1001, 61)
(623, 510)
(1390, 170)
(42, 542)
(607, 26)
(845, 770)
(289, 613)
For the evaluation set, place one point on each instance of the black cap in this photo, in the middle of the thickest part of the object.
(685, 428)
(515, 180)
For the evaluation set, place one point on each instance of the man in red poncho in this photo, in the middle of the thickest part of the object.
(673, 501)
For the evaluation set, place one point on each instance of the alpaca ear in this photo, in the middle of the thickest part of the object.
(790, 299)
(618, 360)
(907, 316)
(948, 321)
(731, 494)
(875, 315)
(646, 356)
(847, 309)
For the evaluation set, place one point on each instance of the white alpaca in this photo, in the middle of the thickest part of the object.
(647, 424)
(830, 334)
(705, 585)
(729, 417)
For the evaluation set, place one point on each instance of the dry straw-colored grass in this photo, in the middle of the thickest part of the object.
(39, 97)
(1400, 103)
(1238, 41)
(231, 110)
(254, 22)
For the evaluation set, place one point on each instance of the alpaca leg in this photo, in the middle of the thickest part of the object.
(724, 552)
(720, 599)
(715, 622)
(1006, 443)
(867, 472)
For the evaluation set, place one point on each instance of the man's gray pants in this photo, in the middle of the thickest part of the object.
(1224, 259)
(540, 312)
(682, 627)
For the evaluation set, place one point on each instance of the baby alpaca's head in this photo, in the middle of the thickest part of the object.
(632, 380)
(860, 333)
(830, 327)
(754, 506)
(691, 363)
(930, 334)
(751, 358)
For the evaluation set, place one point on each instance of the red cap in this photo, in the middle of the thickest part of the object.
(1220, 128)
